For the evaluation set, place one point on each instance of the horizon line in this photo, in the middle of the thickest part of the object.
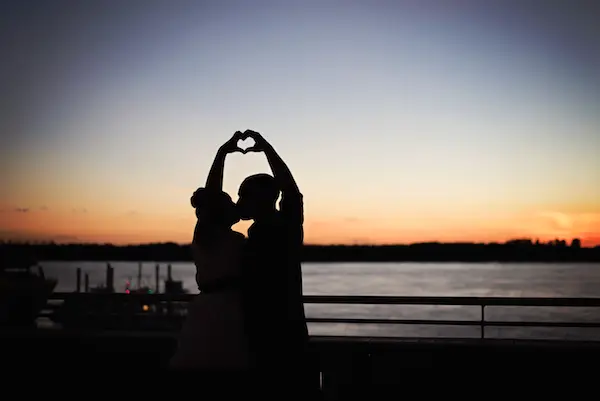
(507, 242)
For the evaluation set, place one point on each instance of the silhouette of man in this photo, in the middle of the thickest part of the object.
(276, 321)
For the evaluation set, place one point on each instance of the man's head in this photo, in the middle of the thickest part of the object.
(257, 196)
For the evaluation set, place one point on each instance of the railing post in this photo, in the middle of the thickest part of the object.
(482, 321)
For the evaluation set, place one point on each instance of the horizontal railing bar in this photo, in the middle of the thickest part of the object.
(432, 322)
(320, 339)
(393, 321)
(438, 322)
(364, 299)
(542, 324)
(451, 301)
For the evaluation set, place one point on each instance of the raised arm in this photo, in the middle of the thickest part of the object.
(214, 181)
(281, 172)
(292, 203)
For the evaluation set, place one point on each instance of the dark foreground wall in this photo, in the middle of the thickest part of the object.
(349, 365)
(148, 350)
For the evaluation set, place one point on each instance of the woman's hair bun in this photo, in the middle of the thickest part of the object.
(218, 204)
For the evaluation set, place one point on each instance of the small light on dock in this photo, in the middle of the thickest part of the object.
(145, 308)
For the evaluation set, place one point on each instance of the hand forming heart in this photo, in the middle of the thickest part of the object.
(245, 144)
(240, 139)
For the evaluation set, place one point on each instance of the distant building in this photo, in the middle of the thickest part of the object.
(520, 242)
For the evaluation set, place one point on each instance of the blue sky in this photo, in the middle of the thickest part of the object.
(385, 111)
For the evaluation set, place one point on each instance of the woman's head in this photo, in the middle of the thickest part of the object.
(214, 208)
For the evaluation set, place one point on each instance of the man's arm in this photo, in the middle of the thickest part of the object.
(292, 204)
(291, 201)
(281, 172)
(214, 181)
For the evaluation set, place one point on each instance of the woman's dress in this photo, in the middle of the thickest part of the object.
(213, 336)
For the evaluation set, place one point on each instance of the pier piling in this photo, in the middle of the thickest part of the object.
(157, 278)
(110, 276)
(78, 285)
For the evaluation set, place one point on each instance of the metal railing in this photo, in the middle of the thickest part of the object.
(481, 302)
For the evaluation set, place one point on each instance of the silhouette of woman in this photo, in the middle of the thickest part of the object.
(213, 337)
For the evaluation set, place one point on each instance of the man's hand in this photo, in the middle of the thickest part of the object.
(281, 173)
(260, 144)
(231, 145)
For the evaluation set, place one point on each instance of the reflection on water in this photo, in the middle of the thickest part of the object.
(407, 279)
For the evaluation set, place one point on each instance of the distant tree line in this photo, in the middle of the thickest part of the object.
(520, 250)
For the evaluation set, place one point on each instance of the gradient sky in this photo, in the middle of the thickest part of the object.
(401, 121)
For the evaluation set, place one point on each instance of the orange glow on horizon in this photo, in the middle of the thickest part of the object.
(82, 226)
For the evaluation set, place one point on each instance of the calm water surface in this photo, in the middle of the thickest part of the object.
(406, 279)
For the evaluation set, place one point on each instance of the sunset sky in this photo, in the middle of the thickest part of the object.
(401, 121)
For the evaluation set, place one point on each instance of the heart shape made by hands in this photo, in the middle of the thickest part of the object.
(245, 144)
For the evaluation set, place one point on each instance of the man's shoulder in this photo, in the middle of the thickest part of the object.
(292, 197)
(274, 230)
(292, 208)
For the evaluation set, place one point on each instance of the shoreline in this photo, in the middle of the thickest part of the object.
(519, 251)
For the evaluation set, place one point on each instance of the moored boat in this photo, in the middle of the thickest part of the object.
(24, 290)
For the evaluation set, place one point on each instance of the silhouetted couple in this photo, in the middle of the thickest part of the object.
(249, 314)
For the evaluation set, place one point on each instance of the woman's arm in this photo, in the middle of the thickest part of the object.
(214, 181)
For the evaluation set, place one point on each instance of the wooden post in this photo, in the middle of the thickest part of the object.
(156, 276)
(169, 272)
(140, 275)
(78, 285)
(87, 283)
(110, 274)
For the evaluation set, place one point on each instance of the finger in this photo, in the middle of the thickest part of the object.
(238, 134)
(256, 136)
(253, 149)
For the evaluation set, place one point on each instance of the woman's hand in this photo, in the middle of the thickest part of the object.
(231, 146)
(214, 181)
